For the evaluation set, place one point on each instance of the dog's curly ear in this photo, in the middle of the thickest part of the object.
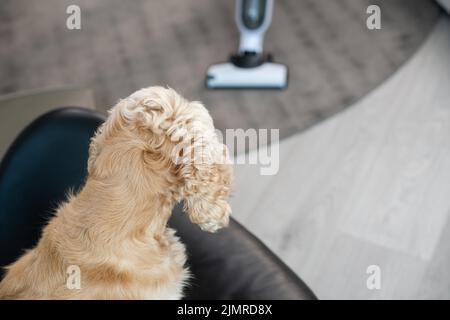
(206, 189)
(201, 160)
(206, 173)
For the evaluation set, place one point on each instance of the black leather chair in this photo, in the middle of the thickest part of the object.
(50, 156)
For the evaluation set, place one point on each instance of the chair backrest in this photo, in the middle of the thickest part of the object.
(45, 161)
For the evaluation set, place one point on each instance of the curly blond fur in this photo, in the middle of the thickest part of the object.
(115, 229)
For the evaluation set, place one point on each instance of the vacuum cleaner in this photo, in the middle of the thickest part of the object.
(250, 67)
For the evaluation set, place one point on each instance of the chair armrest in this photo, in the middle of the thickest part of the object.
(234, 264)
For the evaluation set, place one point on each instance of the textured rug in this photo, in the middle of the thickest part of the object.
(125, 45)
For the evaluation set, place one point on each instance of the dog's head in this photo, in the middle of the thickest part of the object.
(160, 143)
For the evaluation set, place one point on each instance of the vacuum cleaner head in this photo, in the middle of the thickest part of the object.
(250, 67)
(268, 75)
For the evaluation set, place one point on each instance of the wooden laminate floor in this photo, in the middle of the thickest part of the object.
(370, 186)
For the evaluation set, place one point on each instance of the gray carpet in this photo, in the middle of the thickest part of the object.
(125, 45)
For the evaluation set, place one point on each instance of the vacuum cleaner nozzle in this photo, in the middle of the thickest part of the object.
(268, 75)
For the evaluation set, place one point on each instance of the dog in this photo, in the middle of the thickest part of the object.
(154, 150)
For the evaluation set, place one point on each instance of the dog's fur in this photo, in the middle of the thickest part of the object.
(115, 229)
